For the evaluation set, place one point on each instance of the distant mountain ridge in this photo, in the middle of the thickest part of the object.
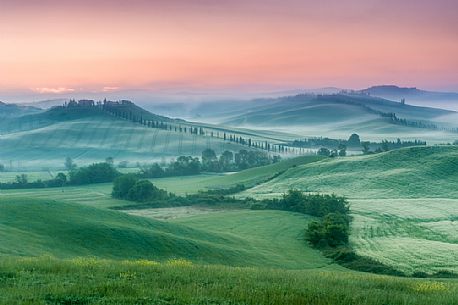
(323, 109)
(446, 100)
(14, 110)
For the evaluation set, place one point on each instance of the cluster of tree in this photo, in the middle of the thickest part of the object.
(456, 142)
(209, 162)
(341, 151)
(95, 173)
(336, 147)
(130, 187)
(146, 194)
(2, 167)
(228, 161)
(22, 182)
(312, 204)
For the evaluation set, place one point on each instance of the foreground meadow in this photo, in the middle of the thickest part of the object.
(91, 281)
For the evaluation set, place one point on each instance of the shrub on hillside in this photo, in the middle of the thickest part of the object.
(331, 231)
(122, 185)
(312, 204)
(144, 190)
(95, 173)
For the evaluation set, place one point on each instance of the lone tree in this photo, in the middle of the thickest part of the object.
(354, 140)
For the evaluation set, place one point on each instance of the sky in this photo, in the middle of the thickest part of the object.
(64, 48)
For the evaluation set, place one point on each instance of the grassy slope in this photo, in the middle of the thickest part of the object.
(48, 281)
(406, 173)
(404, 203)
(94, 138)
(276, 234)
(249, 177)
(339, 116)
(31, 227)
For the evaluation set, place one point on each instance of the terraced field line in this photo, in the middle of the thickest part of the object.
(193, 149)
(180, 144)
(142, 139)
(167, 140)
(153, 142)
(95, 135)
(80, 134)
(129, 138)
(117, 138)
(107, 131)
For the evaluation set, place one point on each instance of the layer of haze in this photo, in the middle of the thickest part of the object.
(54, 47)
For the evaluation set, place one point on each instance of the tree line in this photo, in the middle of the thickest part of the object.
(104, 172)
(338, 147)
(209, 162)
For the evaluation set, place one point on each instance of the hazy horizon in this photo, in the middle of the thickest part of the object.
(57, 48)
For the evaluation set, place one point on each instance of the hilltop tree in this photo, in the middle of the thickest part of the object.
(354, 140)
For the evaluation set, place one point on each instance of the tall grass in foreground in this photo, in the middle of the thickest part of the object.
(94, 281)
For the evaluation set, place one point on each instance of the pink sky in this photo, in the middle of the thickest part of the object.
(66, 46)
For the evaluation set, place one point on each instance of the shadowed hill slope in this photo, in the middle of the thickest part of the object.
(32, 227)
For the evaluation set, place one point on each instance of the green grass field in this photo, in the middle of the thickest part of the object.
(91, 281)
(416, 172)
(404, 202)
(31, 227)
(404, 205)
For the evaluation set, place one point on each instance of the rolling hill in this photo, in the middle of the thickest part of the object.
(404, 203)
(408, 173)
(89, 134)
(31, 227)
(446, 100)
(340, 114)
(14, 110)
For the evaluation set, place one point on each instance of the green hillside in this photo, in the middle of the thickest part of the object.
(414, 172)
(31, 227)
(404, 203)
(339, 115)
(93, 138)
(311, 109)
(8, 111)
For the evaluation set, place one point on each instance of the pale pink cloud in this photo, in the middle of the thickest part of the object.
(58, 90)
